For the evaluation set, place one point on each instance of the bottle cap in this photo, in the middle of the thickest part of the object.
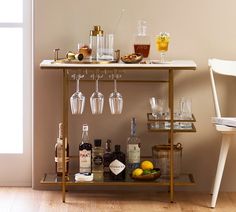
(97, 142)
(97, 30)
(85, 127)
(117, 148)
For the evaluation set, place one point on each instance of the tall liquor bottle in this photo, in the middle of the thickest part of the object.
(107, 160)
(85, 152)
(133, 148)
(97, 162)
(117, 166)
(59, 153)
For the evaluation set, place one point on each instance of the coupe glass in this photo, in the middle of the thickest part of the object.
(97, 101)
(115, 101)
(162, 43)
(77, 100)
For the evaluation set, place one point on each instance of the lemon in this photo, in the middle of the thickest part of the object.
(137, 172)
(147, 165)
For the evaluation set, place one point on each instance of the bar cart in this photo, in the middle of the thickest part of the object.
(170, 68)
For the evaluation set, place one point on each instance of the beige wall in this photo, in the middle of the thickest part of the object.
(199, 30)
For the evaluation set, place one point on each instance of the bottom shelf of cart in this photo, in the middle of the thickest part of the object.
(182, 180)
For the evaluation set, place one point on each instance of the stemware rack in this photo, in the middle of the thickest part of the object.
(68, 69)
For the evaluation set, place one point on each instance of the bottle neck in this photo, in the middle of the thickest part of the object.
(108, 147)
(133, 127)
(85, 137)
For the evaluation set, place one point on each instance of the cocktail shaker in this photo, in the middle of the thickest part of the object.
(96, 39)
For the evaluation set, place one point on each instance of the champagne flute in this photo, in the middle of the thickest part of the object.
(115, 99)
(97, 99)
(162, 43)
(77, 100)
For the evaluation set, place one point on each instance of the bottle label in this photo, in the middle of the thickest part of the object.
(98, 160)
(59, 160)
(85, 161)
(133, 151)
(116, 167)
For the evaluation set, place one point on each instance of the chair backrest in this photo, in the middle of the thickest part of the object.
(224, 67)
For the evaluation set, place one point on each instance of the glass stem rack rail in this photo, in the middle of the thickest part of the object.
(66, 69)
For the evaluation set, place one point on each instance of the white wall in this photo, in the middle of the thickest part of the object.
(199, 30)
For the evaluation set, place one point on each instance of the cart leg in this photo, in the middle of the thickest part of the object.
(171, 135)
(65, 130)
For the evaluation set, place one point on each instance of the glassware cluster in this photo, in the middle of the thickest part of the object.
(160, 111)
(77, 100)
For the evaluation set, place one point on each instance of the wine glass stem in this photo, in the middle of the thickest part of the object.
(163, 57)
(77, 85)
(115, 86)
(96, 85)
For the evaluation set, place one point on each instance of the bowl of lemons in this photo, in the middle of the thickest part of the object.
(146, 172)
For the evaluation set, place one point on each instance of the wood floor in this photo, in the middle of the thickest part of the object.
(28, 200)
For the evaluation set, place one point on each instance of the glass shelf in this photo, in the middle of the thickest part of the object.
(156, 128)
(152, 119)
(182, 180)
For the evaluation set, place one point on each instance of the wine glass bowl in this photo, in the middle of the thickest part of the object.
(96, 103)
(162, 44)
(116, 103)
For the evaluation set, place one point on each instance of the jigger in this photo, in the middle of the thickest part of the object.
(77, 100)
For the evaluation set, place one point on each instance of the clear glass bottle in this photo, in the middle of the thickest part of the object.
(133, 148)
(117, 165)
(59, 153)
(142, 40)
(96, 40)
(85, 152)
(107, 160)
(97, 160)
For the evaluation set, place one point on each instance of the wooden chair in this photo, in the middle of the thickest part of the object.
(225, 125)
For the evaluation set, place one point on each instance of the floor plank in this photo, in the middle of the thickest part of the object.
(27, 200)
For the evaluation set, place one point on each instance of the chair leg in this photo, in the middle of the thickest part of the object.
(220, 167)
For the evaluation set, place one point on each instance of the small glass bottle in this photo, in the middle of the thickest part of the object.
(59, 153)
(85, 152)
(107, 160)
(133, 148)
(96, 40)
(142, 40)
(97, 158)
(117, 166)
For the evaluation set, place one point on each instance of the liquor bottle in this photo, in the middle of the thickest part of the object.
(85, 152)
(97, 160)
(107, 160)
(142, 40)
(133, 148)
(117, 166)
(59, 153)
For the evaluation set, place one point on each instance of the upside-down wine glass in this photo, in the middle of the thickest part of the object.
(115, 99)
(97, 99)
(77, 100)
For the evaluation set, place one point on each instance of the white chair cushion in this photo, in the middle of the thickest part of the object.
(227, 121)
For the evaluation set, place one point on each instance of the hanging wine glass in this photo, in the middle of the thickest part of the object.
(115, 99)
(77, 100)
(97, 99)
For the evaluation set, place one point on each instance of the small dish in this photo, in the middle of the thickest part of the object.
(132, 58)
(148, 177)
